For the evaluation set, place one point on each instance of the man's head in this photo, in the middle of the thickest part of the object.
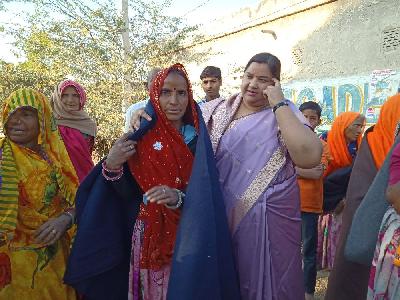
(211, 82)
(151, 76)
(312, 112)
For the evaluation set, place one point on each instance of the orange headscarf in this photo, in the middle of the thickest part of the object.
(381, 139)
(337, 141)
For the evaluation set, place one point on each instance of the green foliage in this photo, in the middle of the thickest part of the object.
(82, 40)
(14, 76)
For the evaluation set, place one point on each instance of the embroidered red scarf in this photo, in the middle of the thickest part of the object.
(162, 158)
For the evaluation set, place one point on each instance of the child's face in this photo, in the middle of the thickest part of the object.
(312, 117)
(211, 86)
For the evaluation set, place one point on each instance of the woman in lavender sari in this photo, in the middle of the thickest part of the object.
(257, 137)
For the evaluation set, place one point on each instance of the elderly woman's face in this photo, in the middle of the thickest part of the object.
(71, 99)
(174, 97)
(22, 127)
(355, 129)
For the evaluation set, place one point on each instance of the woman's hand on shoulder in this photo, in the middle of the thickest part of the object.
(51, 231)
(136, 115)
(120, 152)
(162, 194)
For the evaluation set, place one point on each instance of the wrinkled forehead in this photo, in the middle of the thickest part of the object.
(360, 120)
(20, 110)
(175, 80)
(24, 109)
(25, 99)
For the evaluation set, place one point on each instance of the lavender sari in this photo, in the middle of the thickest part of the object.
(261, 196)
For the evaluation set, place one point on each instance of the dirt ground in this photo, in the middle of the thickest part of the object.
(322, 283)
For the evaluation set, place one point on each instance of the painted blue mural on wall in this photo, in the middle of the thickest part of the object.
(364, 94)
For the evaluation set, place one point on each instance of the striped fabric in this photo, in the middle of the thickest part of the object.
(10, 170)
(8, 191)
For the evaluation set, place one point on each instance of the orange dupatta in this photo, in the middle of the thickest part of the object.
(381, 139)
(337, 141)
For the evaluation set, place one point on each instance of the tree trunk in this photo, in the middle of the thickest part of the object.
(127, 50)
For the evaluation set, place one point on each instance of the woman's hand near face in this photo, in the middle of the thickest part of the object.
(274, 93)
(120, 152)
(303, 145)
(51, 231)
(162, 194)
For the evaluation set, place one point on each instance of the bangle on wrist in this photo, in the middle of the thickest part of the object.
(104, 165)
(280, 104)
(179, 203)
(111, 175)
(71, 216)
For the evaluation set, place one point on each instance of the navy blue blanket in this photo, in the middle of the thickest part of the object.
(202, 267)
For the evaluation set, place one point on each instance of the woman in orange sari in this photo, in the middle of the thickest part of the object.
(349, 280)
(343, 140)
(38, 186)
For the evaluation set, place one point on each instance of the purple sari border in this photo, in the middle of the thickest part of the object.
(221, 113)
(261, 198)
(258, 187)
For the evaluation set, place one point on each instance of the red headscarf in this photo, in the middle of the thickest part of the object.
(162, 158)
(337, 141)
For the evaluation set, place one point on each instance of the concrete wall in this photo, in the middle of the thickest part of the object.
(332, 47)
(364, 94)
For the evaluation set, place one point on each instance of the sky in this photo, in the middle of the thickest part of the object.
(193, 11)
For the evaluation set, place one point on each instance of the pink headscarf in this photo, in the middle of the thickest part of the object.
(82, 94)
(72, 125)
(79, 120)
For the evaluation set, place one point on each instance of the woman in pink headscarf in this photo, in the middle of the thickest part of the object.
(77, 129)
